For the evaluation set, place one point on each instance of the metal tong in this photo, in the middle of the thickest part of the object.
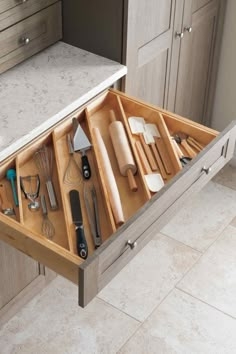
(93, 216)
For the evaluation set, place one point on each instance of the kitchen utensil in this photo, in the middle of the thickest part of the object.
(30, 186)
(150, 140)
(47, 226)
(122, 150)
(5, 206)
(77, 218)
(154, 181)
(137, 127)
(152, 129)
(195, 144)
(44, 161)
(184, 160)
(73, 173)
(82, 144)
(93, 216)
(109, 178)
(11, 176)
(143, 159)
(180, 138)
(177, 148)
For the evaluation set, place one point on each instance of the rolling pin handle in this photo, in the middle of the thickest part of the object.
(131, 180)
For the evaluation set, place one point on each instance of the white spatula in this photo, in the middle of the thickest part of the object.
(137, 127)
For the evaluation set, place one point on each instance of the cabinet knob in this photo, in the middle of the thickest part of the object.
(25, 40)
(23, 1)
(179, 34)
(131, 244)
(188, 29)
(207, 170)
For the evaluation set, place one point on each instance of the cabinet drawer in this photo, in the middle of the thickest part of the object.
(145, 212)
(12, 11)
(30, 36)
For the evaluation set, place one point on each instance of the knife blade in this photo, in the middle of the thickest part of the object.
(77, 218)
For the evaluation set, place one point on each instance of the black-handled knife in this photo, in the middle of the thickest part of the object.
(82, 246)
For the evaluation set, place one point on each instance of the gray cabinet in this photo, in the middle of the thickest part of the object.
(171, 48)
(21, 278)
(148, 50)
(189, 91)
(17, 271)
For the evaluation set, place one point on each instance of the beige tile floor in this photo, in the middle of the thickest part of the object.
(180, 300)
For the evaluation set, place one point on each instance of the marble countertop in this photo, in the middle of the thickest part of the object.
(39, 92)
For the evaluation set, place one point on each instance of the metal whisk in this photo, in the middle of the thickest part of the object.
(44, 161)
(47, 226)
(73, 174)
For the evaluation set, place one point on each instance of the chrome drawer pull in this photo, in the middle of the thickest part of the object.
(188, 29)
(131, 244)
(25, 40)
(206, 170)
(179, 34)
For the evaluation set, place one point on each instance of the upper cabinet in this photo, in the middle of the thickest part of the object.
(171, 47)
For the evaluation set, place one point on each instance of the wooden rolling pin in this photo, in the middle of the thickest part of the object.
(109, 178)
(122, 150)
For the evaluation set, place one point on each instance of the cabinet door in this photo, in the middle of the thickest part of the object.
(195, 61)
(16, 272)
(148, 47)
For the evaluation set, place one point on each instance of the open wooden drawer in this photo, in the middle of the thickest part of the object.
(145, 212)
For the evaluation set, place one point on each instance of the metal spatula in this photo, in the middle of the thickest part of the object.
(82, 144)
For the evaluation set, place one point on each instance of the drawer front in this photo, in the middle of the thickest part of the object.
(98, 270)
(103, 264)
(12, 11)
(30, 36)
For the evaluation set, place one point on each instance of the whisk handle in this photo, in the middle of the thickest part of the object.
(51, 195)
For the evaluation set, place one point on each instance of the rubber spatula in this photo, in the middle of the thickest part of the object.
(153, 130)
(137, 127)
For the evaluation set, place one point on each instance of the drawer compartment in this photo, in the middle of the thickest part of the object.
(144, 211)
(30, 36)
(12, 11)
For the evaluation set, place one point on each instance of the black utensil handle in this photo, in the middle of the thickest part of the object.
(81, 243)
(85, 167)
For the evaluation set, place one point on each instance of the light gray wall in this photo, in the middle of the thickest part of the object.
(224, 108)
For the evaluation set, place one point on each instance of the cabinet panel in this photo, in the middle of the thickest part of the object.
(17, 271)
(149, 41)
(197, 4)
(150, 18)
(152, 79)
(195, 64)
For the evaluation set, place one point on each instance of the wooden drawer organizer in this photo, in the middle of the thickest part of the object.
(145, 212)
(29, 36)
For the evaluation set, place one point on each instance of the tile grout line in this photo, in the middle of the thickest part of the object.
(222, 184)
(182, 243)
(201, 256)
(206, 303)
(146, 319)
(116, 308)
